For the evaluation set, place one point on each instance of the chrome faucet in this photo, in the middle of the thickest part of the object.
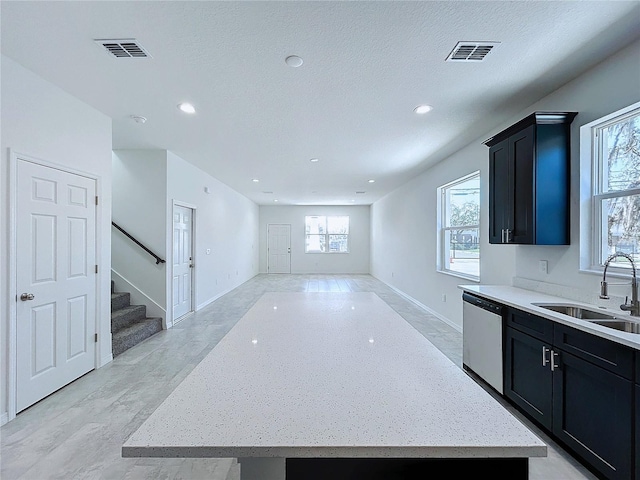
(634, 306)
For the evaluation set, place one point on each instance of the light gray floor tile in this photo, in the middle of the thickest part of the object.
(78, 431)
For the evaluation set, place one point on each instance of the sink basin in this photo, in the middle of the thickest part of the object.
(594, 316)
(578, 311)
(628, 326)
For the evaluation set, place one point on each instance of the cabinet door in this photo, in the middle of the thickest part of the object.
(593, 415)
(499, 188)
(529, 383)
(521, 148)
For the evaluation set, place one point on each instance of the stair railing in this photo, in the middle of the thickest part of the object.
(158, 259)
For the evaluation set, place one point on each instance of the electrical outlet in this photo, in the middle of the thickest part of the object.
(208, 251)
(543, 266)
(444, 297)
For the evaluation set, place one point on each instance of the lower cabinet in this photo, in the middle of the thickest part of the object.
(580, 390)
(528, 383)
(593, 415)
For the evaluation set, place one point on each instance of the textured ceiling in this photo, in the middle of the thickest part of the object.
(366, 66)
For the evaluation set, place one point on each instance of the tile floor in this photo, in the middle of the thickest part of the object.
(77, 432)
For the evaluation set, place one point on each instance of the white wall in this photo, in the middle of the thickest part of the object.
(226, 223)
(610, 86)
(403, 228)
(139, 203)
(42, 121)
(356, 261)
(404, 237)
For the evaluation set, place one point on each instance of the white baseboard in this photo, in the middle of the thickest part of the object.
(214, 298)
(138, 297)
(106, 359)
(424, 307)
(4, 418)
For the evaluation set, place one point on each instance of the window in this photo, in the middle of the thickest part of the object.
(324, 234)
(615, 147)
(459, 209)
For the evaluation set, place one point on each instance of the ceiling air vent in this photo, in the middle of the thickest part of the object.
(471, 51)
(123, 47)
(360, 193)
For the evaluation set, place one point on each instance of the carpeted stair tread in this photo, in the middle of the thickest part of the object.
(130, 336)
(120, 300)
(126, 316)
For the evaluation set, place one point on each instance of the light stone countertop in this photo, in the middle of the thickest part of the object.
(329, 375)
(525, 300)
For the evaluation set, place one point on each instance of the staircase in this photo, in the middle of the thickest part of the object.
(129, 323)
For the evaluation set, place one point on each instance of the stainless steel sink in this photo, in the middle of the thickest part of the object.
(594, 316)
(628, 326)
(577, 311)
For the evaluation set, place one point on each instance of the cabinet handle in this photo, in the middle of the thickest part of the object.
(507, 234)
(554, 365)
(545, 360)
(503, 236)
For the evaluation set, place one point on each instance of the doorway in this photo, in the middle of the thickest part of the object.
(182, 261)
(55, 279)
(279, 248)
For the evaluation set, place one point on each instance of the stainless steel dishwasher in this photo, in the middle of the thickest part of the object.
(482, 339)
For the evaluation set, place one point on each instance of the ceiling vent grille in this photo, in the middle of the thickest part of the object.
(123, 47)
(471, 51)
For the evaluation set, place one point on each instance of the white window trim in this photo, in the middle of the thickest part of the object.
(591, 238)
(327, 235)
(441, 222)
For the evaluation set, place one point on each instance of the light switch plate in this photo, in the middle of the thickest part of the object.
(543, 266)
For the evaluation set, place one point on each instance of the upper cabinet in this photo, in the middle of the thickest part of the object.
(529, 181)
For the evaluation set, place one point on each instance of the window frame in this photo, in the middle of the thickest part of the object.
(592, 164)
(442, 245)
(327, 235)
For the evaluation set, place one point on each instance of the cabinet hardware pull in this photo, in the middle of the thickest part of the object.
(503, 236)
(507, 233)
(545, 360)
(554, 365)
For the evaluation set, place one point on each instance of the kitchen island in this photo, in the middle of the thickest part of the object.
(334, 385)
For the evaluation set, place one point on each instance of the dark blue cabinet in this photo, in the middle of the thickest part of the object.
(529, 181)
(578, 387)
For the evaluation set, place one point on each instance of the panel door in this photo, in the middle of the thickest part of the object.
(529, 383)
(499, 187)
(182, 261)
(522, 151)
(55, 259)
(593, 414)
(279, 248)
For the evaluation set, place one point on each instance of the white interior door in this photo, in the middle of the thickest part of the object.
(55, 280)
(182, 261)
(279, 248)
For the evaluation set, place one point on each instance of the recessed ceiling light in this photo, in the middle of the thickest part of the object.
(372, 181)
(275, 199)
(422, 109)
(255, 180)
(293, 61)
(138, 118)
(353, 201)
(187, 108)
(314, 160)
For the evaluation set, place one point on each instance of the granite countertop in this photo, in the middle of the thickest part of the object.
(525, 300)
(329, 375)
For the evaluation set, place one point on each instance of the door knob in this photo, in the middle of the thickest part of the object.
(191, 265)
(27, 296)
